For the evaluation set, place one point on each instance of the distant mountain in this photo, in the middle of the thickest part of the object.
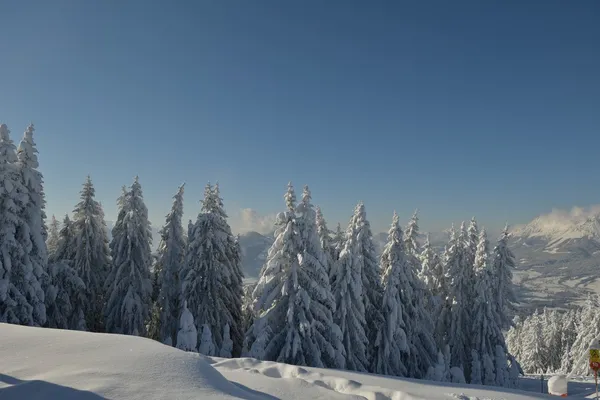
(558, 257)
(255, 248)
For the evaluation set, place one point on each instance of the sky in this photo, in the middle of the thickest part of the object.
(458, 109)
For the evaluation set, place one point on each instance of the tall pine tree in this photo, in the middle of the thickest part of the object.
(129, 287)
(288, 327)
(15, 308)
(53, 237)
(212, 283)
(92, 258)
(170, 260)
(503, 262)
(33, 230)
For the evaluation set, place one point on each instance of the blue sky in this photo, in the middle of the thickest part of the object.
(459, 108)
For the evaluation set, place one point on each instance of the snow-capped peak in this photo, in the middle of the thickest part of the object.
(560, 225)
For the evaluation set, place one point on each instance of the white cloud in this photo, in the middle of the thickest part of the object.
(248, 219)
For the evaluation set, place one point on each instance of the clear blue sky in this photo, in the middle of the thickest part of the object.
(458, 108)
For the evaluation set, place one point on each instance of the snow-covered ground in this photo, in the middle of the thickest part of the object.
(38, 363)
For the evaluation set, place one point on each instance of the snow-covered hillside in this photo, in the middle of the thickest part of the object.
(38, 363)
(558, 257)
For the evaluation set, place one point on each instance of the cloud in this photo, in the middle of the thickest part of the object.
(577, 213)
(248, 219)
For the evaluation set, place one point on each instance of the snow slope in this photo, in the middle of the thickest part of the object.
(37, 363)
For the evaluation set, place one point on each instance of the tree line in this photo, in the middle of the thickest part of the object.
(556, 341)
(323, 298)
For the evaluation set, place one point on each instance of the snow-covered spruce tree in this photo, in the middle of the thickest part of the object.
(313, 261)
(411, 235)
(33, 230)
(417, 323)
(227, 346)
(459, 290)
(325, 239)
(432, 273)
(476, 377)
(65, 297)
(187, 336)
(588, 329)
(472, 242)
(211, 284)
(170, 260)
(569, 335)
(285, 329)
(92, 256)
(350, 308)
(236, 278)
(391, 343)
(207, 346)
(14, 306)
(65, 248)
(53, 233)
(503, 262)
(371, 274)
(337, 242)
(533, 349)
(129, 287)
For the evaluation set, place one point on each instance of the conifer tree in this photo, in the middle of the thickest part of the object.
(337, 242)
(503, 262)
(313, 261)
(325, 239)
(289, 298)
(129, 286)
(65, 297)
(411, 236)
(65, 249)
(459, 290)
(53, 237)
(391, 344)
(33, 230)
(170, 260)
(92, 258)
(212, 276)
(15, 307)
(432, 276)
(370, 272)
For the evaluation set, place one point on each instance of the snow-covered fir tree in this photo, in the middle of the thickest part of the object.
(170, 260)
(33, 230)
(65, 248)
(391, 343)
(350, 309)
(187, 336)
(432, 274)
(503, 262)
(236, 277)
(288, 297)
(326, 242)
(411, 235)
(476, 373)
(314, 262)
(588, 331)
(65, 297)
(212, 282)
(92, 257)
(411, 295)
(533, 351)
(207, 346)
(364, 250)
(227, 345)
(472, 241)
(337, 241)
(15, 307)
(487, 337)
(459, 290)
(129, 287)
(53, 234)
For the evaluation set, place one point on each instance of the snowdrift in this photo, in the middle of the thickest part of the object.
(38, 363)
